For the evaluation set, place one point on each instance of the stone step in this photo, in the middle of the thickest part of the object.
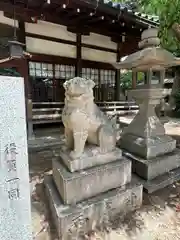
(152, 168)
(78, 186)
(160, 182)
(74, 220)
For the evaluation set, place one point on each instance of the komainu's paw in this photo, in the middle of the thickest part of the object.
(103, 149)
(74, 154)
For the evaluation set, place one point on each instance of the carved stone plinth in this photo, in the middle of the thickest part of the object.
(153, 153)
(74, 220)
(90, 182)
(148, 148)
(159, 182)
(91, 157)
(145, 136)
(84, 190)
(152, 168)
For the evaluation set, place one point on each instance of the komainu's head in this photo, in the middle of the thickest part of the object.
(78, 86)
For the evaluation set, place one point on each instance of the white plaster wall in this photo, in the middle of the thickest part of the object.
(50, 29)
(7, 21)
(99, 40)
(97, 55)
(36, 45)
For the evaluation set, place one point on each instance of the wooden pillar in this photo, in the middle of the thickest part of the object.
(23, 62)
(25, 73)
(134, 79)
(118, 74)
(78, 55)
(162, 77)
(21, 33)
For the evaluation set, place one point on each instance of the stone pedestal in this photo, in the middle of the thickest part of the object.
(84, 195)
(90, 158)
(144, 141)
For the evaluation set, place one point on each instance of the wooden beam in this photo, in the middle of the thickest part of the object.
(22, 33)
(98, 48)
(75, 29)
(69, 61)
(95, 20)
(27, 13)
(57, 40)
(106, 28)
(118, 73)
(37, 57)
(134, 79)
(130, 45)
(9, 8)
(78, 55)
(114, 12)
(52, 39)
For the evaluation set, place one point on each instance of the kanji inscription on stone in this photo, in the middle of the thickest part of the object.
(15, 211)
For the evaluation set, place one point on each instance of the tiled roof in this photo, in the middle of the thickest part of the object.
(151, 20)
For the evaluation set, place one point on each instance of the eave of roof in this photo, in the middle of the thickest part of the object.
(150, 20)
(121, 17)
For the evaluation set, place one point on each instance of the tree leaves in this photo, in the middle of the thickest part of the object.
(169, 14)
(126, 80)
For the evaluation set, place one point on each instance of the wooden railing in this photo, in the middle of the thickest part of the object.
(50, 112)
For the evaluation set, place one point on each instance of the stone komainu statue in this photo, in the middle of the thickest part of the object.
(83, 120)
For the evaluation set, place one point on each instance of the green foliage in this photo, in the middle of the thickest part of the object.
(177, 100)
(169, 13)
(9, 72)
(126, 80)
(176, 111)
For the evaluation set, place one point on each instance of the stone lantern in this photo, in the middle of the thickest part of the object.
(153, 153)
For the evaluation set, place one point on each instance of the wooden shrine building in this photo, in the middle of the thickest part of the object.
(68, 38)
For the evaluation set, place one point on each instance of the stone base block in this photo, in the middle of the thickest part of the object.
(72, 221)
(158, 182)
(77, 186)
(149, 169)
(147, 148)
(90, 158)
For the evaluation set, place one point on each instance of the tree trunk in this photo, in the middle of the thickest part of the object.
(175, 88)
(176, 83)
(176, 30)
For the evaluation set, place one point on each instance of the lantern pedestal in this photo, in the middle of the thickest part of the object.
(153, 153)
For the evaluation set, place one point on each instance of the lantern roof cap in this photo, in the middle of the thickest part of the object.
(152, 56)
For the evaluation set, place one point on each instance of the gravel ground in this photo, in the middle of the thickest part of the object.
(158, 218)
